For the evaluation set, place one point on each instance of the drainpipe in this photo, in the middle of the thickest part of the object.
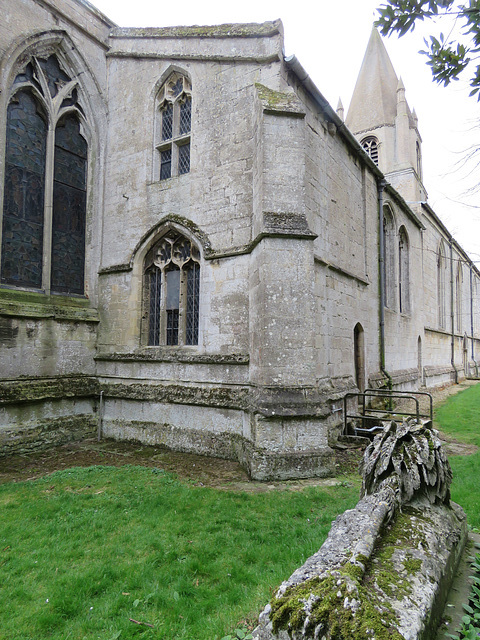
(381, 265)
(471, 321)
(100, 417)
(452, 314)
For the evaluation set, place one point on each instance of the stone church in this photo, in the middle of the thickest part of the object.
(198, 251)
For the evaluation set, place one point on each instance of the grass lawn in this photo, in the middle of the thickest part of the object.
(86, 552)
(459, 418)
(89, 553)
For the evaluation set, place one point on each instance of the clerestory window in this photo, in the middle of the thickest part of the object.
(44, 196)
(370, 146)
(172, 291)
(173, 127)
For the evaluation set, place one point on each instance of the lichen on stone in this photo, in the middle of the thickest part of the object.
(335, 607)
(279, 101)
(231, 30)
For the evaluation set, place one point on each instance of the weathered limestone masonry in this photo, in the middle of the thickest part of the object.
(192, 233)
(387, 565)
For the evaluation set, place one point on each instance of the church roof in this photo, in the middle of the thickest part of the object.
(374, 100)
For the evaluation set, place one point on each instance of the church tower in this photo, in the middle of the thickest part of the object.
(381, 120)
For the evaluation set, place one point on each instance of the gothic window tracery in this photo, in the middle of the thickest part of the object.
(172, 291)
(173, 127)
(44, 204)
(370, 146)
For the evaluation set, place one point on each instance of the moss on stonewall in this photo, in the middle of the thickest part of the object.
(350, 602)
(412, 565)
(278, 101)
(327, 599)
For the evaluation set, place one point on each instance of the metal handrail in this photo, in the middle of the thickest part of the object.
(386, 392)
(368, 413)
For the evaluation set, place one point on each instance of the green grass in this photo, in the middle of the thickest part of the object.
(84, 551)
(459, 418)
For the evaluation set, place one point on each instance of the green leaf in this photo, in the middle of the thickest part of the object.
(136, 603)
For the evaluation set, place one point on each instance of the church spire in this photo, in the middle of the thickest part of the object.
(381, 120)
(374, 99)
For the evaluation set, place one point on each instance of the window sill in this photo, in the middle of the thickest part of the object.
(27, 304)
(186, 355)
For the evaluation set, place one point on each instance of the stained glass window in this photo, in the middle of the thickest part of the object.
(22, 226)
(174, 114)
(54, 74)
(69, 208)
(172, 289)
(37, 251)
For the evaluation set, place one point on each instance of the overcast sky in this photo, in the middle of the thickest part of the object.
(329, 37)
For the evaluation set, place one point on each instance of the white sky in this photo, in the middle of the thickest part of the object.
(329, 37)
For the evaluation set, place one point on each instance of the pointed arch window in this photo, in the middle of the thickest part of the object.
(172, 291)
(403, 271)
(441, 280)
(389, 258)
(173, 127)
(370, 146)
(44, 201)
(458, 296)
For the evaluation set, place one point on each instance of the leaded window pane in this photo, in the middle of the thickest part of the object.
(22, 232)
(175, 257)
(167, 121)
(177, 87)
(69, 208)
(172, 327)
(185, 116)
(56, 78)
(193, 290)
(172, 304)
(173, 288)
(165, 164)
(26, 75)
(155, 290)
(184, 159)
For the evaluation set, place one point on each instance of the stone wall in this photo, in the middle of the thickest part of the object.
(281, 203)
